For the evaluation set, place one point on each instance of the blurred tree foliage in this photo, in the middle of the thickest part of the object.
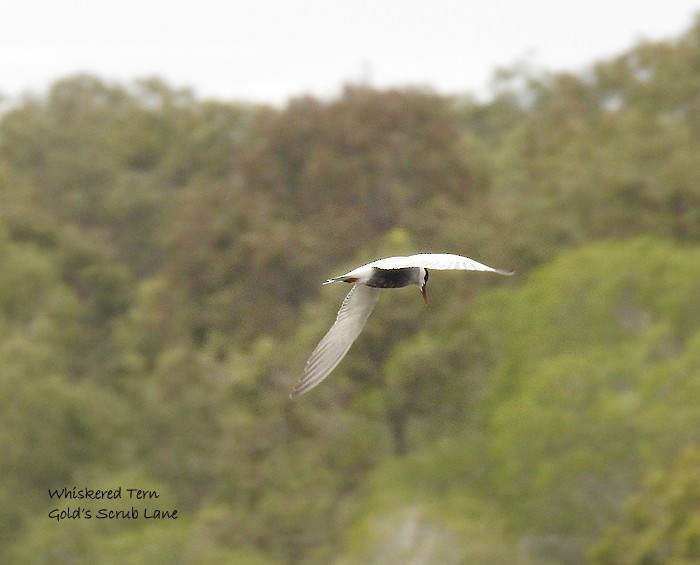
(660, 523)
(160, 261)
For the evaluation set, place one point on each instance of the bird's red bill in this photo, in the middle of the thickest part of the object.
(424, 294)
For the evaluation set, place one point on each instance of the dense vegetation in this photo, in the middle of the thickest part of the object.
(160, 261)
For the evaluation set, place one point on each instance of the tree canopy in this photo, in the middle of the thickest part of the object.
(160, 267)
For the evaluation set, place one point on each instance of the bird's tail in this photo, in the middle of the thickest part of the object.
(344, 278)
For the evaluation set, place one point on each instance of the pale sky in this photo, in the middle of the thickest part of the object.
(270, 50)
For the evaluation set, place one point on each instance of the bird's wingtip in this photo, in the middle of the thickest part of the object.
(505, 272)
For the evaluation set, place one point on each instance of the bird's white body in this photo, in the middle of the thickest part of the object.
(392, 272)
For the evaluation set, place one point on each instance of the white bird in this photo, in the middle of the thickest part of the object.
(392, 272)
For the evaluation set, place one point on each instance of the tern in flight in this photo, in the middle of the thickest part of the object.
(367, 280)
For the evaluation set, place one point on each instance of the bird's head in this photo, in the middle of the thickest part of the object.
(424, 281)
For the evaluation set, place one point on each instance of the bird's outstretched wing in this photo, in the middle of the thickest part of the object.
(438, 261)
(352, 316)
